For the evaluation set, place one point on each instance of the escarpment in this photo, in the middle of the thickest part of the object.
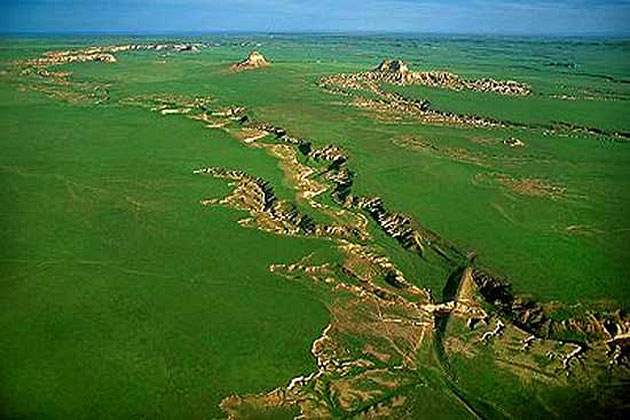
(397, 226)
(256, 195)
(407, 232)
(612, 328)
(281, 135)
(526, 314)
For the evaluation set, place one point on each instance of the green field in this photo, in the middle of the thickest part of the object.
(123, 297)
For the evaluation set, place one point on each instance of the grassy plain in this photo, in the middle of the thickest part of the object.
(123, 297)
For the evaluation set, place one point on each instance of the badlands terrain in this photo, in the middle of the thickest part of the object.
(315, 227)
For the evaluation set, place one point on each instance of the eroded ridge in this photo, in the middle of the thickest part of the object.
(611, 328)
(365, 91)
(389, 105)
(104, 54)
(406, 231)
(371, 357)
(365, 359)
(397, 72)
(256, 196)
(44, 73)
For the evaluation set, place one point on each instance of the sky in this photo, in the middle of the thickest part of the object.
(530, 17)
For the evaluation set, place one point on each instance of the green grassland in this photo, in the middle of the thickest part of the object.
(123, 297)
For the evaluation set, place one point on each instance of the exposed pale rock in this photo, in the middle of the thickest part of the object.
(396, 72)
(513, 142)
(254, 61)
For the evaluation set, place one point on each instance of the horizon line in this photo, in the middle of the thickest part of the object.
(596, 34)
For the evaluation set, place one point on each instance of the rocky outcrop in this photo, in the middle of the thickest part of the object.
(281, 135)
(257, 196)
(513, 142)
(396, 72)
(342, 181)
(104, 54)
(329, 153)
(392, 66)
(255, 60)
(395, 225)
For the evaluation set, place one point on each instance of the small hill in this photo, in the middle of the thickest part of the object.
(392, 66)
(254, 61)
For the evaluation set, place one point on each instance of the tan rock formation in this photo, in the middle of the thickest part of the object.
(254, 61)
(396, 72)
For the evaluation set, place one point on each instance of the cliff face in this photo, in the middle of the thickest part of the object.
(612, 327)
